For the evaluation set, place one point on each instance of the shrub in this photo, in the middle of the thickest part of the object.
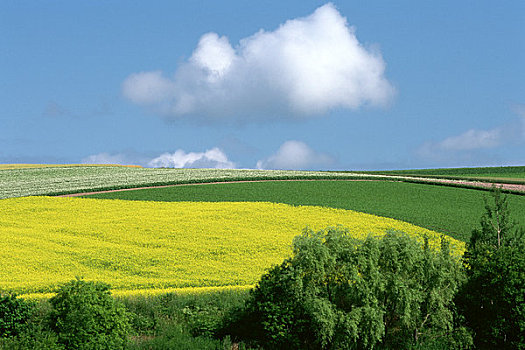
(34, 333)
(173, 336)
(14, 315)
(183, 321)
(340, 292)
(86, 316)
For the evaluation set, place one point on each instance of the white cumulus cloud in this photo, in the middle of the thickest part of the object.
(295, 155)
(213, 158)
(307, 66)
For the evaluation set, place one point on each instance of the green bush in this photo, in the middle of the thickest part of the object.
(340, 292)
(86, 316)
(14, 315)
(175, 321)
(493, 299)
(35, 333)
(199, 314)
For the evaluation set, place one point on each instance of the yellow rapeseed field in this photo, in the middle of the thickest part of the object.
(139, 246)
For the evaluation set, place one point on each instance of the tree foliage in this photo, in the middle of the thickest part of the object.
(86, 316)
(493, 299)
(14, 315)
(497, 227)
(340, 292)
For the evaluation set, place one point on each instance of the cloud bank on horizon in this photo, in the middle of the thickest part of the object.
(308, 66)
(291, 155)
(212, 158)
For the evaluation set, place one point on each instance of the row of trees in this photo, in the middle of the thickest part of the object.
(337, 292)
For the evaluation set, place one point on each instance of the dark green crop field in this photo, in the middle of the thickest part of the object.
(453, 211)
(507, 172)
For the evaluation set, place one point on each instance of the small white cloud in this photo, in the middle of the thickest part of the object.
(472, 139)
(105, 158)
(462, 148)
(295, 155)
(474, 145)
(308, 66)
(213, 158)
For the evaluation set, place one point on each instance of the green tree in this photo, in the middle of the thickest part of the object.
(86, 316)
(493, 299)
(340, 292)
(497, 228)
(14, 315)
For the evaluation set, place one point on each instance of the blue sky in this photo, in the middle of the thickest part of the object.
(267, 84)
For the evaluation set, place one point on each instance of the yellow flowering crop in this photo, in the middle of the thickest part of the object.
(139, 246)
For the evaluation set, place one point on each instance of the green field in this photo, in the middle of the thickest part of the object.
(454, 211)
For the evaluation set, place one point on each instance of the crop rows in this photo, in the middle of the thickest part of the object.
(65, 180)
(135, 245)
(56, 180)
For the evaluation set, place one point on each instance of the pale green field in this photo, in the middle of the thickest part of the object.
(54, 180)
